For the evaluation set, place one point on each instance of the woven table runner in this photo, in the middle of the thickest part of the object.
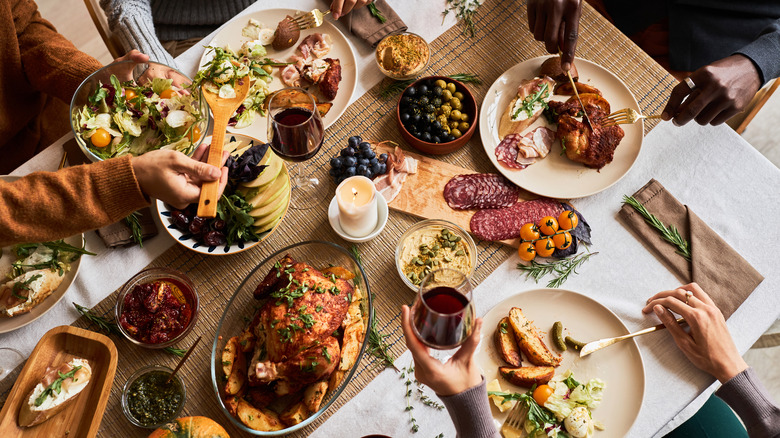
(502, 40)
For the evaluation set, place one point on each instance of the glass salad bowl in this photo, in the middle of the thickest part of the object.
(239, 314)
(153, 109)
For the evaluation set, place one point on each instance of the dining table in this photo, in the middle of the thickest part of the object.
(711, 169)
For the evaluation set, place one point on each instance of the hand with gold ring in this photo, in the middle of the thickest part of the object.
(708, 343)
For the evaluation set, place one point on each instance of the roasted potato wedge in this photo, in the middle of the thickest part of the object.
(246, 341)
(338, 271)
(258, 419)
(566, 89)
(530, 341)
(527, 376)
(294, 414)
(594, 99)
(237, 377)
(229, 355)
(335, 379)
(313, 395)
(506, 344)
(353, 336)
(231, 403)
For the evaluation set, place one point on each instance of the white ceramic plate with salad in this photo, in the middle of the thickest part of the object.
(232, 35)
(7, 257)
(619, 366)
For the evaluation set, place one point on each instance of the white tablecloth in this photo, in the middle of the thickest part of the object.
(721, 177)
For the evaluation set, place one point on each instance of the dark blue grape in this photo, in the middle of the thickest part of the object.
(340, 179)
(361, 169)
(411, 92)
(373, 161)
(450, 137)
(333, 172)
(347, 152)
(362, 161)
(336, 162)
(376, 168)
(350, 161)
(350, 171)
(383, 158)
(364, 146)
(382, 169)
(354, 141)
(370, 154)
(369, 173)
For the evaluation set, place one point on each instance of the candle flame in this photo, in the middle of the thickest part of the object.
(354, 193)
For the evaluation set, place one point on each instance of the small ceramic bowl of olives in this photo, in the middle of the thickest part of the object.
(437, 115)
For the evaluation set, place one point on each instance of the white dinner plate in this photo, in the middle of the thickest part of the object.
(556, 176)
(620, 365)
(340, 49)
(11, 324)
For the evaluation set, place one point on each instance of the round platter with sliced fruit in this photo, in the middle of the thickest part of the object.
(252, 207)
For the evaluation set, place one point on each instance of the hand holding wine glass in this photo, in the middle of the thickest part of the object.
(442, 314)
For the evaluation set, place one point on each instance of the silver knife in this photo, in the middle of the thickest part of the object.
(590, 347)
(576, 93)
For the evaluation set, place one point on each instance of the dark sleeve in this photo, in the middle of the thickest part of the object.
(470, 412)
(745, 394)
(765, 52)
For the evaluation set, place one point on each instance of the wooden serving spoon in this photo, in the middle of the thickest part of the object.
(222, 108)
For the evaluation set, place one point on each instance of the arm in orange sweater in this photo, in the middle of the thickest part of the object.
(52, 64)
(45, 206)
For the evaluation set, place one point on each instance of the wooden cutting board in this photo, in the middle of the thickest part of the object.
(422, 194)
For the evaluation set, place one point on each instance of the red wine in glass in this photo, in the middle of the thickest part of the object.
(443, 315)
(296, 135)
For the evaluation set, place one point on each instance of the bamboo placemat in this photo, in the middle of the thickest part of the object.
(502, 41)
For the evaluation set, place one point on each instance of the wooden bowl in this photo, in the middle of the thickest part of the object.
(469, 107)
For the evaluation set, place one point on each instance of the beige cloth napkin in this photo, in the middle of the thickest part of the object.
(367, 27)
(717, 267)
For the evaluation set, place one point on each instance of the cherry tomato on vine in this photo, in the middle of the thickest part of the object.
(563, 240)
(100, 138)
(542, 393)
(168, 93)
(548, 225)
(529, 232)
(544, 247)
(526, 251)
(568, 220)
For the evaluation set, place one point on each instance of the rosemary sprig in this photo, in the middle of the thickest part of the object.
(669, 234)
(108, 326)
(375, 12)
(406, 374)
(560, 268)
(464, 11)
(395, 87)
(134, 223)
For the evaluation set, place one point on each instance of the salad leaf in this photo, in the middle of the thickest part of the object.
(127, 124)
(161, 84)
(117, 91)
(234, 210)
(97, 96)
(565, 397)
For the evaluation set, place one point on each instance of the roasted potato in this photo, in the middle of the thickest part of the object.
(258, 419)
(527, 376)
(594, 99)
(246, 341)
(506, 344)
(335, 379)
(530, 341)
(552, 67)
(229, 355)
(339, 272)
(313, 395)
(566, 89)
(294, 414)
(353, 336)
(231, 403)
(237, 377)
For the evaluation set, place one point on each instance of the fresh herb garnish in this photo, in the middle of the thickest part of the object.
(560, 268)
(527, 106)
(24, 285)
(394, 87)
(465, 11)
(56, 386)
(234, 210)
(376, 13)
(669, 234)
(406, 373)
(59, 250)
(133, 221)
(537, 416)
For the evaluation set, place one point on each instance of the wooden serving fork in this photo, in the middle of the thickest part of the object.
(590, 347)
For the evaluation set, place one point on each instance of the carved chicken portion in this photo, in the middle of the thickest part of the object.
(295, 344)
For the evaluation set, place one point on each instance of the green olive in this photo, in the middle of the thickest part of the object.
(446, 108)
(458, 106)
(454, 101)
(455, 115)
(451, 87)
(446, 95)
(463, 126)
(464, 117)
(458, 94)
(445, 111)
(268, 69)
(441, 84)
(456, 133)
(454, 125)
(442, 119)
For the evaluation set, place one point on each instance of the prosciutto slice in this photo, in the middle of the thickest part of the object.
(399, 166)
(519, 152)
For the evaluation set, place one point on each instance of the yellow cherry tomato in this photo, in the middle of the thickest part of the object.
(194, 134)
(529, 232)
(526, 251)
(563, 240)
(548, 225)
(168, 93)
(568, 220)
(544, 247)
(100, 138)
(130, 94)
(542, 393)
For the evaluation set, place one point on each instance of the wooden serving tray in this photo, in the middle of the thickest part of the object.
(422, 194)
(82, 418)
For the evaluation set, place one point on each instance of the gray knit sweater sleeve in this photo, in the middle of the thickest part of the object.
(750, 400)
(765, 52)
(131, 21)
(470, 412)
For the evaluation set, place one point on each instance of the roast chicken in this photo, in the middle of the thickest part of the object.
(294, 329)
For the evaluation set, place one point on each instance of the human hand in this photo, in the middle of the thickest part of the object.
(340, 8)
(174, 178)
(458, 374)
(708, 343)
(722, 90)
(556, 22)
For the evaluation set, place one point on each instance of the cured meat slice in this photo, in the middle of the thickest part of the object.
(507, 150)
(505, 223)
(480, 190)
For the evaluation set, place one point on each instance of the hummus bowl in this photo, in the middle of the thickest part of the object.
(432, 244)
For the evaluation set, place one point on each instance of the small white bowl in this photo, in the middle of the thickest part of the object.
(382, 213)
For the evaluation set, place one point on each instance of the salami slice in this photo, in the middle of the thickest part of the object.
(480, 190)
(506, 152)
(505, 223)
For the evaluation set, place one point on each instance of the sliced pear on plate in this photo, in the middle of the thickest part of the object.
(262, 223)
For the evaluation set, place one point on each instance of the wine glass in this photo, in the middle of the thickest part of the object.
(296, 133)
(443, 314)
(9, 359)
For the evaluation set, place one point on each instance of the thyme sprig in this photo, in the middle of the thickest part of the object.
(562, 269)
(108, 326)
(395, 87)
(464, 11)
(406, 374)
(133, 221)
(376, 13)
(669, 234)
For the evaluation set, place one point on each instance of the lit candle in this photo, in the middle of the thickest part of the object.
(356, 197)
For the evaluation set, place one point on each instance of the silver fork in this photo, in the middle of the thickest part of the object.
(311, 19)
(624, 117)
(513, 424)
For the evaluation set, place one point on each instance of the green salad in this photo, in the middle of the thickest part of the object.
(127, 118)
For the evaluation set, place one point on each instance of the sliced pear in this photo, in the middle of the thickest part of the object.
(261, 196)
(269, 227)
(270, 173)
